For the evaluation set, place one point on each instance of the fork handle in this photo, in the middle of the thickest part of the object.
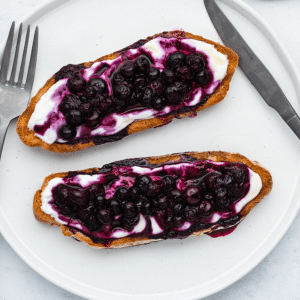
(3, 129)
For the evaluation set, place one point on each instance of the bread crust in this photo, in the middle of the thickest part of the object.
(217, 156)
(30, 139)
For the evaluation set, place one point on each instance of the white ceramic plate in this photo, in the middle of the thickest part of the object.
(77, 31)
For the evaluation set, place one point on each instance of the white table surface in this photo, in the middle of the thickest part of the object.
(277, 277)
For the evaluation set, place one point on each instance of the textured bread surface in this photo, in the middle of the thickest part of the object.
(217, 156)
(29, 138)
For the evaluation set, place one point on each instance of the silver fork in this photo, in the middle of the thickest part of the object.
(14, 96)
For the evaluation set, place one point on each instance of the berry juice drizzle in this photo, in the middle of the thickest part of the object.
(135, 198)
(155, 79)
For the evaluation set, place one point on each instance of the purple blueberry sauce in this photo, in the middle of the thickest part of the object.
(137, 199)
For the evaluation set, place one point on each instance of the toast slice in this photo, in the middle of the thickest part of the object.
(138, 201)
(195, 77)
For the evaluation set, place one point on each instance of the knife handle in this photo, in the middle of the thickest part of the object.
(294, 124)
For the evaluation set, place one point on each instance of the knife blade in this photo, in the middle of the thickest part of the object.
(254, 69)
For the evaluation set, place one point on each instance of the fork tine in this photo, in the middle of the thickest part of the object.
(21, 74)
(32, 63)
(13, 71)
(6, 54)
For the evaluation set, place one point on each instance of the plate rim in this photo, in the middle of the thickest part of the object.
(193, 292)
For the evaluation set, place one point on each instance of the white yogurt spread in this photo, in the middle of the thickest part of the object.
(46, 110)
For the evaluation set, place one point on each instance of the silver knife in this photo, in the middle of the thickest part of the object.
(253, 68)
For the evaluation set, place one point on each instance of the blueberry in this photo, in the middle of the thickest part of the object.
(117, 78)
(66, 210)
(85, 107)
(92, 224)
(236, 193)
(230, 221)
(139, 202)
(122, 193)
(183, 87)
(178, 209)
(213, 180)
(205, 208)
(129, 223)
(176, 60)
(140, 82)
(100, 201)
(142, 182)
(97, 189)
(155, 188)
(203, 78)
(86, 212)
(221, 199)
(129, 209)
(92, 118)
(89, 92)
(98, 84)
(76, 84)
(69, 102)
(191, 214)
(148, 97)
(168, 76)
(161, 202)
(115, 206)
(184, 73)
(66, 132)
(159, 103)
(153, 73)
(158, 86)
(170, 182)
(68, 71)
(208, 196)
(134, 193)
(79, 195)
(122, 91)
(104, 215)
(196, 61)
(228, 180)
(193, 194)
(178, 221)
(107, 106)
(61, 194)
(172, 95)
(142, 63)
(74, 117)
(174, 196)
(127, 69)
(240, 174)
(147, 208)
(120, 104)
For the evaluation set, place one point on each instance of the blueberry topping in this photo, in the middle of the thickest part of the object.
(129, 223)
(174, 197)
(68, 71)
(61, 194)
(168, 76)
(159, 103)
(178, 209)
(122, 193)
(79, 196)
(178, 221)
(85, 107)
(127, 69)
(99, 85)
(104, 215)
(76, 84)
(93, 224)
(129, 209)
(100, 201)
(74, 117)
(92, 118)
(173, 95)
(142, 182)
(176, 60)
(191, 214)
(115, 206)
(184, 73)
(162, 202)
(107, 106)
(147, 208)
(205, 208)
(158, 86)
(86, 212)
(122, 91)
(196, 61)
(134, 192)
(155, 188)
(140, 82)
(203, 78)
(148, 97)
(117, 78)
(66, 132)
(170, 182)
(69, 102)
(153, 73)
(97, 189)
(193, 195)
(142, 64)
